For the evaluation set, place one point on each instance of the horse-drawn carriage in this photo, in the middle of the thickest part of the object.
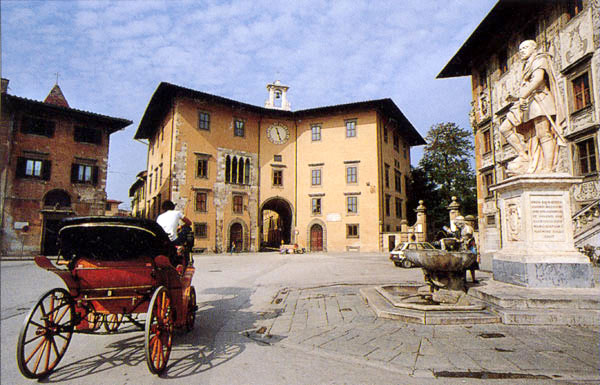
(116, 270)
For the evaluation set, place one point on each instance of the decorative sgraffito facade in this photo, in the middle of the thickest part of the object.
(569, 31)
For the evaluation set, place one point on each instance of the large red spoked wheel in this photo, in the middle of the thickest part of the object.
(159, 331)
(191, 310)
(46, 334)
(112, 322)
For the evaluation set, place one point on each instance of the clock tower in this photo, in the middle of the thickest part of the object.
(278, 97)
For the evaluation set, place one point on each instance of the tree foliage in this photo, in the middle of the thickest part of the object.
(445, 171)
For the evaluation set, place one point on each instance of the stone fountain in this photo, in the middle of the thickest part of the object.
(443, 300)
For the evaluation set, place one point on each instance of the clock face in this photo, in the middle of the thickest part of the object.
(278, 133)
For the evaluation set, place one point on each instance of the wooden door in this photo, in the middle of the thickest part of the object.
(316, 238)
(236, 235)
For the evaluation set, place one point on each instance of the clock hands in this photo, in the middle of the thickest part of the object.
(278, 134)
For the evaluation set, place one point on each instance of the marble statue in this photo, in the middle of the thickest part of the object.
(537, 99)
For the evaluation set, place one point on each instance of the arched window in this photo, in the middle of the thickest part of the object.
(227, 169)
(247, 172)
(234, 164)
(241, 171)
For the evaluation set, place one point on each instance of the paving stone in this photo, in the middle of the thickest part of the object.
(462, 361)
(491, 360)
(433, 362)
(404, 359)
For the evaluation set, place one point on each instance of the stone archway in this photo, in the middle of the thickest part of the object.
(276, 220)
(237, 232)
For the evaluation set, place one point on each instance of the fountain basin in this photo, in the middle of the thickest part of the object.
(408, 296)
(441, 260)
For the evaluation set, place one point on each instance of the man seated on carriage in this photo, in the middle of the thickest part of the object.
(171, 221)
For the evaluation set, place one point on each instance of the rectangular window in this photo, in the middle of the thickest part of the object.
(385, 134)
(352, 230)
(387, 175)
(84, 173)
(200, 230)
(277, 158)
(487, 141)
(203, 120)
(352, 205)
(201, 200)
(37, 126)
(488, 181)
(398, 180)
(316, 206)
(316, 133)
(581, 92)
(239, 128)
(396, 140)
(503, 61)
(278, 178)
(316, 177)
(398, 208)
(490, 220)
(202, 168)
(586, 156)
(387, 205)
(350, 128)
(351, 174)
(238, 204)
(33, 168)
(87, 135)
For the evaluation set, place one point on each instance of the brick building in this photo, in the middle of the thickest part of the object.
(54, 161)
(569, 32)
(328, 178)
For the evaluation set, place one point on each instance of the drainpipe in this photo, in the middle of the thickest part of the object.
(146, 206)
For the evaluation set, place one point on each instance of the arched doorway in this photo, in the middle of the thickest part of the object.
(57, 206)
(316, 237)
(276, 218)
(236, 237)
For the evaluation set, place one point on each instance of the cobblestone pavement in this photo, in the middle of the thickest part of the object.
(334, 320)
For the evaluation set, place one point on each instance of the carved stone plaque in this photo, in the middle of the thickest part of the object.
(547, 218)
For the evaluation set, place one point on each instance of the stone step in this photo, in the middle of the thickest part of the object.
(384, 309)
(549, 317)
(502, 295)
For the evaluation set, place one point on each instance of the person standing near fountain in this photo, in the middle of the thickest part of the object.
(468, 243)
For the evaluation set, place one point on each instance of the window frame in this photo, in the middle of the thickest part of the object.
(204, 168)
(351, 177)
(351, 129)
(316, 175)
(239, 128)
(237, 203)
(488, 180)
(203, 122)
(351, 205)
(591, 156)
(198, 226)
(486, 140)
(201, 205)
(277, 177)
(398, 207)
(587, 94)
(316, 206)
(397, 180)
(352, 230)
(315, 132)
(76, 173)
(88, 135)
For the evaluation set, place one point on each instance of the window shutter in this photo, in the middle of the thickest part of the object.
(95, 175)
(74, 169)
(98, 136)
(21, 164)
(46, 169)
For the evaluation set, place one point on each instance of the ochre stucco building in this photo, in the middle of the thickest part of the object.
(329, 178)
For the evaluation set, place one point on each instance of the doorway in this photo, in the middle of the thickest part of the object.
(236, 237)
(316, 238)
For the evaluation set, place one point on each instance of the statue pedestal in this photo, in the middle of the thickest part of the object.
(537, 234)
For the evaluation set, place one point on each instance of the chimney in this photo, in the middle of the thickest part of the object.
(4, 85)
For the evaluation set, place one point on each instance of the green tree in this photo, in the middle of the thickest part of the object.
(445, 171)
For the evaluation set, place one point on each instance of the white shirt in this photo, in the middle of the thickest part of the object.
(169, 221)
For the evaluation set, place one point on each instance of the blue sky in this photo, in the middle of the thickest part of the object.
(111, 56)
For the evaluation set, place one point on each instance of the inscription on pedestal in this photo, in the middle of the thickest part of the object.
(547, 220)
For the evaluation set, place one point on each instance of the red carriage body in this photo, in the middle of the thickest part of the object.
(114, 268)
